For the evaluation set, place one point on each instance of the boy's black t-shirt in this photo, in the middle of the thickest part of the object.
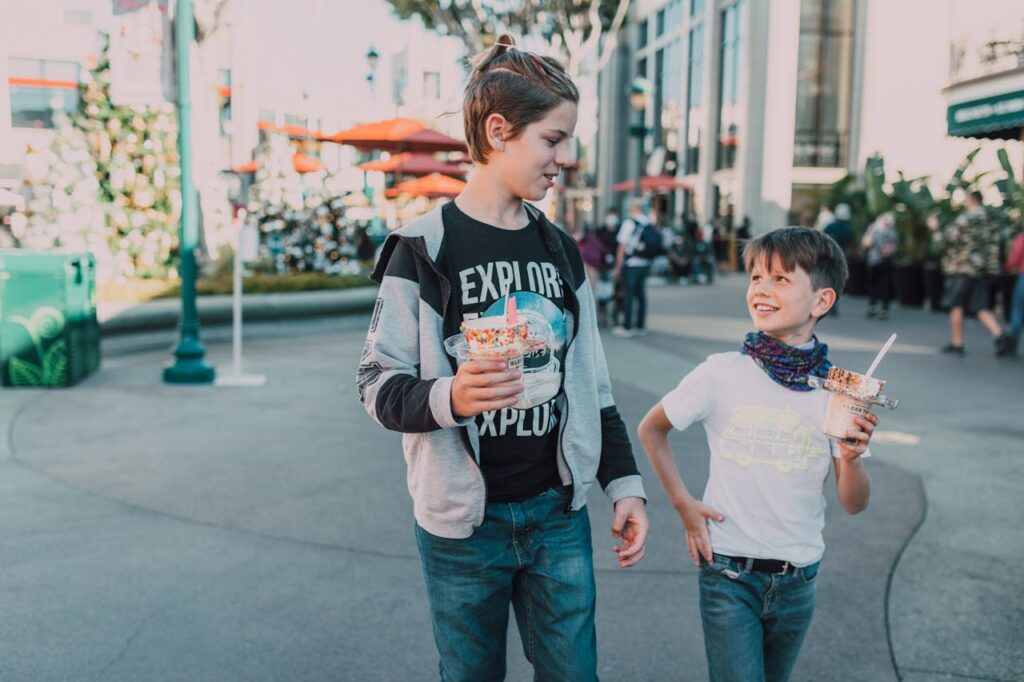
(485, 265)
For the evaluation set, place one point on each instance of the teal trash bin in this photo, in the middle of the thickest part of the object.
(49, 334)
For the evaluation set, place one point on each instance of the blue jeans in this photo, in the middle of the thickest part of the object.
(754, 623)
(532, 554)
(634, 292)
(1017, 310)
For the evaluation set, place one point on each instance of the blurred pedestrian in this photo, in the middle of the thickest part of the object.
(880, 243)
(742, 237)
(1015, 265)
(593, 251)
(366, 250)
(840, 228)
(608, 233)
(632, 267)
(825, 217)
(970, 262)
(841, 231)
(500, 490)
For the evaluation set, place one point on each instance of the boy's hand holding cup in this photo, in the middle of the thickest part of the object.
(491, 364)
(483, 386)
(856, 442)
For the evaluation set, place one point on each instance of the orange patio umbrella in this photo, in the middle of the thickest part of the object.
(413, 164)
(302, 163)
(397, 135)
(433, 186)
(651, 183)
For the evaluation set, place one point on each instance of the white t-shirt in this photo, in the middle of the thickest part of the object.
(769, 458)
(629, 236)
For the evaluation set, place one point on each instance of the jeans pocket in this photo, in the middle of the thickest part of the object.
(720, 566)
(808, 574)
(425, 538)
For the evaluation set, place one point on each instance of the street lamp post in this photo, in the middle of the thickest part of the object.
(371, 60)
(189, 366)
(372, 57)
(639, 95)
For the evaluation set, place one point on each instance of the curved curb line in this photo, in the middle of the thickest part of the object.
(892, 573)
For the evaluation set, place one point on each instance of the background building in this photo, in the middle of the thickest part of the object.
(305, 66)
(758, 107)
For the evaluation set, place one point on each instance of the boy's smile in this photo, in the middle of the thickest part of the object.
(784, 304)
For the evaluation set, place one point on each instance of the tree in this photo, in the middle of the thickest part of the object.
(111, 166)
(572, 28)
(62, 208)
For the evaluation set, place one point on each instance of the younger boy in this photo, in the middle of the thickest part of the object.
(756, 536)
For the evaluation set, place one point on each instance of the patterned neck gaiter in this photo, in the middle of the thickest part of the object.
(786, 365)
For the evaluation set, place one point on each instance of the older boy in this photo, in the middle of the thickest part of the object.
(757, 534)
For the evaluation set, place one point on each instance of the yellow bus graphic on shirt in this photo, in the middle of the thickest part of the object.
(765, 435)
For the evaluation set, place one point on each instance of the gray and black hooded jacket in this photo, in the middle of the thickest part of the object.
(405, 383)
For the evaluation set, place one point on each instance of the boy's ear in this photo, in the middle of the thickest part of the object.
(496, 126)
(826, 298)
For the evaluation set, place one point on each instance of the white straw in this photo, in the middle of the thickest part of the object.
(881, 354)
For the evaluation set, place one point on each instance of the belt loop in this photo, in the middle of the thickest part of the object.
(748, 566)
(786, 566)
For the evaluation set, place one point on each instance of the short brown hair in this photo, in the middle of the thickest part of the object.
(813, 251)
(521, 86)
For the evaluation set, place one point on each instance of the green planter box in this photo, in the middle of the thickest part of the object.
(49, 334)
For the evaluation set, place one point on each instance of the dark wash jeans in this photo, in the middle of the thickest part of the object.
(754, 623)
(532, 554)
(634, 292)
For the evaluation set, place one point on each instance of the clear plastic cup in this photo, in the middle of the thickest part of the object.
(850, 395)
(527, 348)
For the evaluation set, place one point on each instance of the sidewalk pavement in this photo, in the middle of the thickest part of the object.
(193, 533)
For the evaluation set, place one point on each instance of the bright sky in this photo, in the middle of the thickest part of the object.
(320, 46)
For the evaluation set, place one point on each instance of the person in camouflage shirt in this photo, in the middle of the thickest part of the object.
(970, 262)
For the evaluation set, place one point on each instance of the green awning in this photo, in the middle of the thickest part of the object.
(1000, 117)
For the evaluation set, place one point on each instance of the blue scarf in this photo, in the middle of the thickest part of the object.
(786, 365)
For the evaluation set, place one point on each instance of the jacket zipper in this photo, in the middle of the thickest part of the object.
(565, 419)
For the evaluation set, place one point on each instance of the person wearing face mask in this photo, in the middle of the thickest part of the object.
(608, 233)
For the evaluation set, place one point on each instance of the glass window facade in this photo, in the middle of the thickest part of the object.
(729, 86)
(696, 8)
(642, 38)
(668, 102)
(674, 14)
(39, 88)
(824, 83)
(694, 99)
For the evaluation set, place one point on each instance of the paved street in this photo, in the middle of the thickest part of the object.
(166, 533)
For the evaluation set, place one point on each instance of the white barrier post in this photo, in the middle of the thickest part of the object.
(246, 250)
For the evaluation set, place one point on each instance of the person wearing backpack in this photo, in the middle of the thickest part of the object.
(639, 242)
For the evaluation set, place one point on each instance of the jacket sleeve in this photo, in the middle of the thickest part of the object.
(388, 379)
(617, 472)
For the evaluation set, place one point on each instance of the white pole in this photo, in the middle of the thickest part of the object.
(236, 378)
(236, 312)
